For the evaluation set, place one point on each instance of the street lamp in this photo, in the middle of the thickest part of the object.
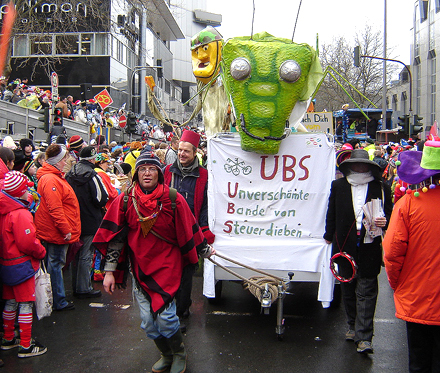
(410, 80)
(130, 83)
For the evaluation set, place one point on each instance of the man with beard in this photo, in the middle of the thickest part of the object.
(191, 181)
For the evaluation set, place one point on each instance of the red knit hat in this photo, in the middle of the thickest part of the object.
(75, 142)
(16, 183)
(191, 137)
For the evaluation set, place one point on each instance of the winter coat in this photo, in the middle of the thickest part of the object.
(91, 193)
(340, 225)
(20, 250)
(3, 171)
(56, 131)
(58, 213)
(412, 257)
(194, 188)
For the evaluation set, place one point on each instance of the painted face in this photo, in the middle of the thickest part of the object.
(206, 60)
(264, 77)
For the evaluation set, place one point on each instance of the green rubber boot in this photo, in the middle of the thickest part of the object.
(166, 358)
(179, 353)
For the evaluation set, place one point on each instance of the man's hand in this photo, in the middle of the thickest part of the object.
(109, 282)
(68, 237)
(328, 242)
(207, 252)
(380, 222)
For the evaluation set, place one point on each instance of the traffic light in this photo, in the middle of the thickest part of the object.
(356, 56)
(58, 116)
(404, 123)
(45, 118)
(159, 68)
(131, 123)
(418, 125)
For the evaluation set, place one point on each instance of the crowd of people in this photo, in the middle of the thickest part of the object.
(65, 193)
(79, 204)
(87, 112)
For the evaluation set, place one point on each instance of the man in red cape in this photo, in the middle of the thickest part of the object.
(159, 234)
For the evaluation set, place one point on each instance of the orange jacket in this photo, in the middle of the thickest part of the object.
(58, 213)
(412, 257)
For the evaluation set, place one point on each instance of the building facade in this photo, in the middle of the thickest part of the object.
(425, 42)
(109, 44)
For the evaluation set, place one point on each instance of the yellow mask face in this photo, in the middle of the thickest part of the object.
(206, 60)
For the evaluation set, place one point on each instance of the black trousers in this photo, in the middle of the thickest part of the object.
(183, 295)
(423, 347)
(360, 298)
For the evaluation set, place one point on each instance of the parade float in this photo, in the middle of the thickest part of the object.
(269, 179)
(269, 182)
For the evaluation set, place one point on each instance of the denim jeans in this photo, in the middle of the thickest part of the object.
(165, 325)
(56, 259)
(82, 266)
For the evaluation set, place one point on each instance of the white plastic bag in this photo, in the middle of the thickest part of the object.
(43, 293)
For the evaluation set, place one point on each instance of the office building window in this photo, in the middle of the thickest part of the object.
(66, 44)
(41, 44)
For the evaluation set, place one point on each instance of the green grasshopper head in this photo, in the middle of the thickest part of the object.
(265, 76)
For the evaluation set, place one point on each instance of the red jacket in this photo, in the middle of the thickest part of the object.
(18, 242)
(58, 213)
(3, 171)
(412, 257)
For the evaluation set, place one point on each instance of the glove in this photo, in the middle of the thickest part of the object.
(210, 237)
(206, 252)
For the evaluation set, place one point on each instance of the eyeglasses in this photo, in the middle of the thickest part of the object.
(149, 170)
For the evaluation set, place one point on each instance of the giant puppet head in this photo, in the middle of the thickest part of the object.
(265, 77)
(206, 52)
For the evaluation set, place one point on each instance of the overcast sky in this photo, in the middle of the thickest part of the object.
(327, 18)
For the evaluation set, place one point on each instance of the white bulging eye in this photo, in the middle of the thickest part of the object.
(290, 71)
(240, 68)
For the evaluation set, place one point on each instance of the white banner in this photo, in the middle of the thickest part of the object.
(268, 211)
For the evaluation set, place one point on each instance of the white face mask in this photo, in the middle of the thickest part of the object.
(359, 178)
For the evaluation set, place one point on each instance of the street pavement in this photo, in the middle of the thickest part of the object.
(229, 336)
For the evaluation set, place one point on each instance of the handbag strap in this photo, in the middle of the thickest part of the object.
(43, 266)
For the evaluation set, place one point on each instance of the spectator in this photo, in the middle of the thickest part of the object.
(21, 253)
(76, 143)
(102, 164)
(92, 197)
(57, 220)
(6, 163)
(412, 256)
(133, 154)
(62, 103)
(40, 159)
(171, 155)
(27, 145)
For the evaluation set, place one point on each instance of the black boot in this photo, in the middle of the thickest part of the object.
(166, 358)
(179, 353)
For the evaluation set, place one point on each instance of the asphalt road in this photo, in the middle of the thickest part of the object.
(230, 336)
